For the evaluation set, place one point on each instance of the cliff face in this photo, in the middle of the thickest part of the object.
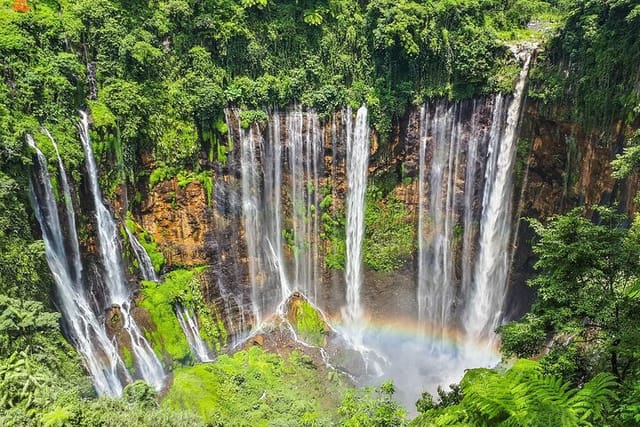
(562, 167)
(178, 217)
(568, 166)
(559, 166)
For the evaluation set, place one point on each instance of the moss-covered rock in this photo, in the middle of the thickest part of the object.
(307, 321)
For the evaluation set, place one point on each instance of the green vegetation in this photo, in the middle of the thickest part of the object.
(593, 66)
(372, 407)
(333, 230)
(256, 388)
(156, 77)
(389, 238)
(583, 325)
(585, 273)
(523, 396)
(160, 299)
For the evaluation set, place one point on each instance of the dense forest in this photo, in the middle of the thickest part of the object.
(159, 78)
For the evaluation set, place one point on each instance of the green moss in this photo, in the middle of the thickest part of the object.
(127, 358)
(204, 177)
(162, 172)
(249, 117)
(333, 231)
(308, 323)
(159, 299)
(255, 388)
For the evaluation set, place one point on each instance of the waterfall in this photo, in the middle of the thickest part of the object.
(117, 293)
(466, 154)
(357, 171)
(144, 261)
(303, 144)
(71, 215)
(436, 264)
(189, 324)
(251, 214)
(280, 174)
(86, 332)
(484, 314)
(272, 159)
(453, 140)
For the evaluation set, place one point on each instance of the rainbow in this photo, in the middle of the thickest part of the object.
(450, 340)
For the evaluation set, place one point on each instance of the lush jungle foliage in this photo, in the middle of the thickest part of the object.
(156, 77)
(590, 69)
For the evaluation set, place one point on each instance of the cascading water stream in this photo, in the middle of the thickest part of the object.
(272, 159)
(303, 144)
(463, 160)
(189, 324)
(144, 261)
(146, 360)
(71, 215)
(87, 333)
(357, 171)
(484, 313)
(252, 217)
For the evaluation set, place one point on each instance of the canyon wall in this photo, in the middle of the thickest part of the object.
(558, 166)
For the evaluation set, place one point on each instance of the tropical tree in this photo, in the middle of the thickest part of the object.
(587, 270)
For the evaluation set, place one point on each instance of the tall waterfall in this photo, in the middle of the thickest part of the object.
(117, 293)
(280, 178)
(74, 245)
(85, 329)
(484, 314)
(467, 152)
(357, 172)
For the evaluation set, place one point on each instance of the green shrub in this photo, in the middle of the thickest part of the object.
(254, 388)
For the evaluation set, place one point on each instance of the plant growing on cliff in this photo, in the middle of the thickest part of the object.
(389, 239)
(160, 300)
(148, 243)
(308, 322)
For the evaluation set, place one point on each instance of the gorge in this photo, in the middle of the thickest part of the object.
(321, 214)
